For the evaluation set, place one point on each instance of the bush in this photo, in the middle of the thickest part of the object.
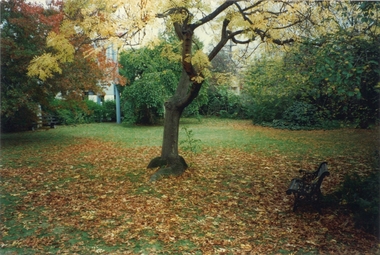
(267, 110)
(67, 113)
(299, 115)
(361, 194)
(130, 116)
(109, 110)
(74, 112)
(22, 120)
(224, 103)
(339, 78)
(95, 112)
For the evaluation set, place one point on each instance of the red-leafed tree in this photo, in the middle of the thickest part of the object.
(25, 29)
(23, 34)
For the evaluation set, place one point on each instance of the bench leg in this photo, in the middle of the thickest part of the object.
(295, 207)
(317, 203)
(296, 201)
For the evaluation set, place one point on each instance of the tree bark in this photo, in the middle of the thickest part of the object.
(170, 162)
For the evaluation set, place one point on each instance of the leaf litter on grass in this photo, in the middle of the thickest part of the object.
(95, 197)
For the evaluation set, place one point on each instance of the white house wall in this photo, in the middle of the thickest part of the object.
(109, 94)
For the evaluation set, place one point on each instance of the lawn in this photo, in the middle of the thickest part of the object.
(85, 190)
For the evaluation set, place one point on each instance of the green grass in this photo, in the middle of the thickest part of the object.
(233, 186)
(214, 133)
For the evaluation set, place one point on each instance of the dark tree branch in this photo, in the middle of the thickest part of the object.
(251, 6)
(290, 25)
(212, 15)
(171, 11)
(185, 32)
(242, 42)
(223, 40)
(282, 42)
(179, 27)
(224, 28)
(243, 14)
(276, 13)
(217, 48)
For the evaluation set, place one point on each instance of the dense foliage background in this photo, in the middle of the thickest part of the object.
(25, 28)
(322, 81)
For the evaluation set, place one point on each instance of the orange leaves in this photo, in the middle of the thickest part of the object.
(228, 201)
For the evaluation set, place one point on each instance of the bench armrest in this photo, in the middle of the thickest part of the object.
(294, 186)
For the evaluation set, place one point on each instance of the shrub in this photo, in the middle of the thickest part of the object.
(267, 110)
(190, 143)
(217, 100)
(109, 110)
(65, 116)
(361, 194)
(300, 114)
(226, 104)
(74, 112)
(129, 111)
(94, 113)
(67, 113)
(23, 119)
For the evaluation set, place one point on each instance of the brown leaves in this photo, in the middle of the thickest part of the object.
(228, 201)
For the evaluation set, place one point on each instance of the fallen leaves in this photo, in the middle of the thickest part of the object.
(229, 201)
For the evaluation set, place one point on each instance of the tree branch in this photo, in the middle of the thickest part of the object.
(242, 12)
(223, 40)
(290, 25)
(251, 6)
(172, 11)
(214, 14)
(242, 42)
(282, 42)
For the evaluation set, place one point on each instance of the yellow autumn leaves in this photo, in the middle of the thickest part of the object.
(45, 65)
(110, 22)
(202, 64)
(199, 60)
(263, 20)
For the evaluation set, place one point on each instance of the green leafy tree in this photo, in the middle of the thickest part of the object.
(335, 74)
(152, 80)
(272, 87)
(341, 77)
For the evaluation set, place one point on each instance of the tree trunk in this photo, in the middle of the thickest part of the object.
(170, 162)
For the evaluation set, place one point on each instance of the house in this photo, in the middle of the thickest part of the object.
(110, 90)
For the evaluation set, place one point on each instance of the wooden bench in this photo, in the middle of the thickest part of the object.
(45, 122)
(307, 188)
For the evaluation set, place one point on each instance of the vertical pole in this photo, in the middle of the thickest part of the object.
(113, 55)
(117, 98)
